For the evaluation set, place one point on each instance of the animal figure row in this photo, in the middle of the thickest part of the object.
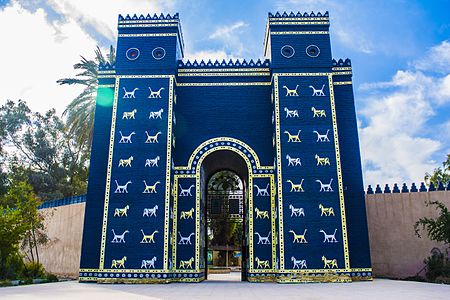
(295, 187)
(301, 238)
(151, 212)
(148, 189)
(295, 138)
(132, 93)
(296, 161)
(146, 238)
(128, 139)
(292, 161)
(131, 115)
(149, 238)
(298, 187)
(300, 211)
(294, 92)
(293, 113)
(260, 264)
(147, 212)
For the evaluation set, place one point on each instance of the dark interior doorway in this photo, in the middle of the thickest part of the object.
(225, 177)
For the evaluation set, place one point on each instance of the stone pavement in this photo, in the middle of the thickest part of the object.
(380, 289)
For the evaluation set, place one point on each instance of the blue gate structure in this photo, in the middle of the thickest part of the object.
(286, 125)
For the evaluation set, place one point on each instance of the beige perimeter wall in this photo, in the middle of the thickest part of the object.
(395, 250)
(65, 228)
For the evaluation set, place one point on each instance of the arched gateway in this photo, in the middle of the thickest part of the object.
(286, 126)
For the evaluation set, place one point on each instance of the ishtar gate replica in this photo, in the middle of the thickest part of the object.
(286, 126)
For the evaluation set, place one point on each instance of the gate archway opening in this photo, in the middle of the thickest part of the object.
(224, 177)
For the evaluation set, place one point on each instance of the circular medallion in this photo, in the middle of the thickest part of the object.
(158, 53)
(312, 51)
(132, 53)
(287, 51)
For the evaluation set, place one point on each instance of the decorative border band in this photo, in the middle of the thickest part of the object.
(300, 23)
(146, 34)
(222, 83)
(298, 32)
(224, 70)
(342, 83)
(224, 74)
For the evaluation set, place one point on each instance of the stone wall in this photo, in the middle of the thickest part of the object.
(64, 227)
(395, 250)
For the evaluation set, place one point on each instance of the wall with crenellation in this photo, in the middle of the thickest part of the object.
(396, 251)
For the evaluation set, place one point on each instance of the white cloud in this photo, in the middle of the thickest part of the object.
(397, 141)
(102, 14)
(346, 36)
(229, 36)
(227, 32)
(213, 55)
(392, 147)
(437, 59)
(35, 54)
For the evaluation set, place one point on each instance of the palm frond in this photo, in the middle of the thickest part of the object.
(80, 112)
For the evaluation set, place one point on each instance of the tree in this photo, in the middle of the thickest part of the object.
(45, 155)
(24, 200)
(12, 231)
(440, 174)
(80, 112)
(437, 229)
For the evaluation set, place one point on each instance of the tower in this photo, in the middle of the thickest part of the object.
(315, 122)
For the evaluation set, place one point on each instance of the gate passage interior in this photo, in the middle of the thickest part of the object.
(286, 126)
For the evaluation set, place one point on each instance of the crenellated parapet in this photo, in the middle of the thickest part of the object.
(224, 64)
(404, 189)
(148, 17)
(342, 63)
(298, 15)
(106, 67)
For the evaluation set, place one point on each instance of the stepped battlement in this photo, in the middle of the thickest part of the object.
(278, 15)
(223, 63)
(148, 17)
(405, 189)
(106, 67)
(228, 64)
(342, 63)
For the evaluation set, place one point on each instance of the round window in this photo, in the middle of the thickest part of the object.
(287, 51)
(133, 53)
(312, 51)
(158, 53)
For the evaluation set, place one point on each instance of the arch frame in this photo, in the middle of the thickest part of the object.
(254, 169)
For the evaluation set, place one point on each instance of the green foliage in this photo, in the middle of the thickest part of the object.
(34, 270)
(437, 229)
(21, 224)
(24, 200)
(12, 231)
(51, 277)
(80, 112)
(14, 267)
(224, 181)
(46, 155)
(440, 174)
(438, 266)
(225, 230)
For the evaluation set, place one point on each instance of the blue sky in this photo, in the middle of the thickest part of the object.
(400, 50)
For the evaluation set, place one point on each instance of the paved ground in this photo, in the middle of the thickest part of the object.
(379, 289)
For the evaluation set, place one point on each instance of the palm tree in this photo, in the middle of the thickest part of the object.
(80, 112)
